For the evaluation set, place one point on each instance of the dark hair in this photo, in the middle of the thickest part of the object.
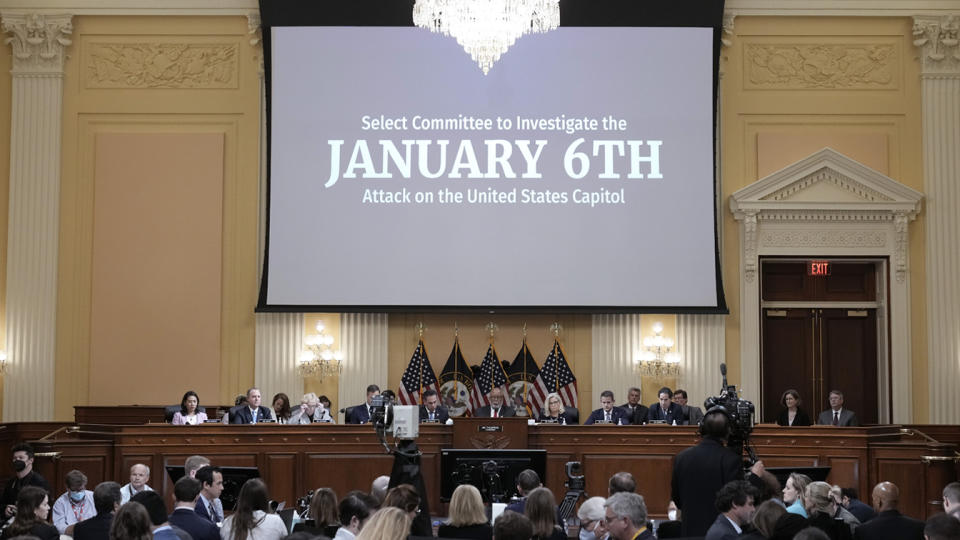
(541, 508)
(771, 487)
(389, 394)
(622, 482)
(528, 480)
(837, 392)
(22, 447)
(665, 390)
(714, 425)
(351, 506)
(790, 392)
(284, 411)
(404, 497)
(678, 392)
(323, 507)
(205, 474)
(324, 398)
(373, 388)
(851, 493)
(132, 522)
(153, 502)
(428, 393)
(106, 496)
(241, 399)
(811, 533)
(28, 500)
(734, 493)
(372, 503)
(75, 478)
(183, 402)
(942, 527)
(253, 496)
(512, 526)
(607, 393)
(186, 489)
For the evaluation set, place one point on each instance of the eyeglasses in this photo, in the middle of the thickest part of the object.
(611, 519)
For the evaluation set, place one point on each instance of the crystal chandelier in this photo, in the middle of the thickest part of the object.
(658, 360)
(486, 28)
(319, 359)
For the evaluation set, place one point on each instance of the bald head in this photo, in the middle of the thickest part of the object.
(886, 496)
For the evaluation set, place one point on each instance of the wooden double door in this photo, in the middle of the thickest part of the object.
(817, 348)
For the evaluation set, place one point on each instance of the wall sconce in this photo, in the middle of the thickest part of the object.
(318, 359)
(658, 360)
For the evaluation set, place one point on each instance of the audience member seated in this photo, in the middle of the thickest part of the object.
(468, 518)
(821, 508)
(692, 415)
(184, 516)
(665, 411)
(793, 493)
(496, 408)
(33, 507)
(607, 413)
(951, 499)
(811, 533)
(253, 412)
(512, 526)
(388, 523)
(253, 519)
(556, 413)
(889, 524)
(836, 415)
(157, 511)
(841, 511)
(735, 503)
(194, 464)
(322, 517)
(211, 486)
(75, 505)
(132, 522)
(310, 411)
(626, 517)
(790, 524)
(378, 489)
(407, 498)
(591, 515)
(139, 476)
(860, 510)
(541, 508)
(765, 521)
(325, 401)
(238, 403)
(360, 414)
(621, 482)
(636, 411)
(353, 515)
(432, 410)
(106, 500)
(527, 481)
(372, 503)
(792, 414)
(942, 527)
(24, 476)
(190, 412)
(281, 408)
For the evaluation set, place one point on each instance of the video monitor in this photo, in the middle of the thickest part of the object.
(493, 472)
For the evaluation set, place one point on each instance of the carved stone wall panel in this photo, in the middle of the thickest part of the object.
(821, 66)
(828, 175)
(823, 238)
(160, 64)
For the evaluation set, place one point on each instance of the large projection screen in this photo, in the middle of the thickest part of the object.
(577, 174)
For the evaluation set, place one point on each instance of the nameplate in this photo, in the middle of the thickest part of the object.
(428, 421)
(489, 429)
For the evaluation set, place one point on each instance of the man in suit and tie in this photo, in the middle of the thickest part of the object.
(253, 413)
(431, 410)
(735, 503)
(889, 524)
(360, 414)
(636, 411)
(836, 415)
(665, 410)
(211, 485)
(607, 413)
(184, 515)
(496, 408)
(106, 500)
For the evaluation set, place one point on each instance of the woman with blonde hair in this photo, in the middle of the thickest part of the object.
(541, 508)
(821, 506)
(388, 523)
(467, 516)
(793, 493)
(554, 412)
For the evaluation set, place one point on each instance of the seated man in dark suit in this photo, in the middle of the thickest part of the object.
(431, 410)
(106, 500)
(889, 524)
(360, 414)
(185, 492)
(665, 410)
(496, 408)
(858, 508)
(735, 503)
(692, 414)
(607, 413)
(253, 413)
(836, 415)
(527, 481)
(636, 411)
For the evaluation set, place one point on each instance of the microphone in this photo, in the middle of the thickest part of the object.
(723, 371)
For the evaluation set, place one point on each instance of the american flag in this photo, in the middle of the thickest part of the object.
(521, 374)
(418, 378)
(490, 375)
(555, 376)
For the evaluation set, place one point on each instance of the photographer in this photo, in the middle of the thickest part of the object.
(25, 476)
(700, 471)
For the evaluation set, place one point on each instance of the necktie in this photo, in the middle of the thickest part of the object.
(608, 417)
(494, 413)
(431, 416)
(254, 413)
(836, 418)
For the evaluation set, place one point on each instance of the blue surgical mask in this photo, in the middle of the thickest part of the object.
(76, 496)
(587, 535)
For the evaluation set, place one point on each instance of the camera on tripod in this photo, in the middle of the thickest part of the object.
(739, 413)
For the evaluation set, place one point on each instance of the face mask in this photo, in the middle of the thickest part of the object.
(76, 496)
(19, 465)
(672, 515)
(587, 535)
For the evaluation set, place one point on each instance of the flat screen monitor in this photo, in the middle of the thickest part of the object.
(493, 472)
(233, 480)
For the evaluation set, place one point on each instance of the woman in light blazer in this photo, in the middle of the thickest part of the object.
(188, 413)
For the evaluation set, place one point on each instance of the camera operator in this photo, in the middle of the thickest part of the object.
(700, 471)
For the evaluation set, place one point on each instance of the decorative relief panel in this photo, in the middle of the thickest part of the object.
(823, 238)
(820, 66)
(827, 175)
(161, 65)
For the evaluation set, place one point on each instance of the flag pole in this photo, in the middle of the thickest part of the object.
(556, 341)
(420, 328)
(526, 402)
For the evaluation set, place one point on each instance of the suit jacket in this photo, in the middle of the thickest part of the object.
(890, 525)
(198, 527)
(801, 419)
(243, 416)
(862, 511)
(692, 415)
(698, 474)
(847, 418)
(95, 528)
(674, 413)
(505, 412)
(358, 414)
(638, 415)
(441, 414)
(617, 415)
(569, 417)
(721, 529)
(201, 509)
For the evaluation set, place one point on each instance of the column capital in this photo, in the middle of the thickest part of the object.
(39, 42)
(937, 38)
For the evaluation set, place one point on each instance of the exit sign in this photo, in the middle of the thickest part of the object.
(818, 268)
